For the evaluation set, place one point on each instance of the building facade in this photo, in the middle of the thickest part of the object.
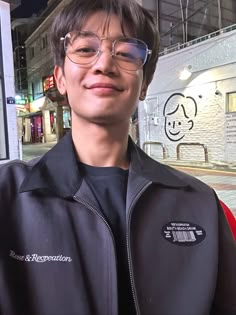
(48, 117)
(9, 144)
(181, 21)
(193, 120)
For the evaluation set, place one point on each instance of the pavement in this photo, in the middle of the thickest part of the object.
(223, 182)
(30, 151)
(221, 179)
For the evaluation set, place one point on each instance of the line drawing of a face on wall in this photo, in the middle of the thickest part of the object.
(179, 111)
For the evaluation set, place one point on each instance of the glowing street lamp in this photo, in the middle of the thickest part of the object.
(186, 73)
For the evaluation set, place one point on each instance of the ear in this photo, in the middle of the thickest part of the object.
(192, 124)
(60, 79)
(143, 92)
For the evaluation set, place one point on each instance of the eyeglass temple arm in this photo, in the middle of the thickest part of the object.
(63, 38)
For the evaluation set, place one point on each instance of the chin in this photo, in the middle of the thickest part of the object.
(108, 119)
(104, 120)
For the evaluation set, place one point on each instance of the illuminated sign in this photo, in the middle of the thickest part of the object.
(48, 83)
(21, 102)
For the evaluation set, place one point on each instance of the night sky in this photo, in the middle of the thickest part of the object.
(29, 7)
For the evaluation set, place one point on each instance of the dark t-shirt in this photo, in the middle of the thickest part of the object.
(109, 185)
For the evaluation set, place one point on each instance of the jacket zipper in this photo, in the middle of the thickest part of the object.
(84, 203)
(96, 212)
(129, 251)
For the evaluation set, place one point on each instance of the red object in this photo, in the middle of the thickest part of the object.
(230, 217)
(48, 83)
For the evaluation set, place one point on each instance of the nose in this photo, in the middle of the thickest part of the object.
(173, 124)
(105, 63)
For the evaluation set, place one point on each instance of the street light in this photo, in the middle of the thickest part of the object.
(186, 73)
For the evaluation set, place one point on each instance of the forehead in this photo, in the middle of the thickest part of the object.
(105, 25)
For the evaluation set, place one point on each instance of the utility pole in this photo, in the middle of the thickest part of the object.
(219, 14)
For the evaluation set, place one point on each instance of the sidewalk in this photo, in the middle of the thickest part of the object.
(220, 176)
(30, 151)
(213, 165)
(223, 182)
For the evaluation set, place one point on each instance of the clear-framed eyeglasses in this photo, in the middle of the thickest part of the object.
(84, 47)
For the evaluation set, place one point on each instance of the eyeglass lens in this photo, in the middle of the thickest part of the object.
(83, 48)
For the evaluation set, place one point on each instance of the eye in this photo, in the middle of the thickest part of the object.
(179, 123)
(86, 51)
(169, 123)
(125, 55)
(85, 46)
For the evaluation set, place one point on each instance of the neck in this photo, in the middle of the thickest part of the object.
(102, 146)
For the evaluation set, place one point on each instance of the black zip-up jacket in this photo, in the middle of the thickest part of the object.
(58, 256)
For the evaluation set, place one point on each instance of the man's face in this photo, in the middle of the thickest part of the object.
(175, 126)
(177, 122)
(100, 92)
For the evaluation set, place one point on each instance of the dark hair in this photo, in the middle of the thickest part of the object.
(139, 20)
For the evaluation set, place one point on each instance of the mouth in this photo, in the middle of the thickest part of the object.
(104, 86)
(174, 133)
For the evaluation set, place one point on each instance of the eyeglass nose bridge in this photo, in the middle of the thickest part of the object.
(112, 50)
(112, 43)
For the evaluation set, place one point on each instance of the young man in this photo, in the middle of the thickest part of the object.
(96, 226)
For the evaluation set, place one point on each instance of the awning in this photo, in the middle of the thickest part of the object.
(29, 115)
(37, 104)
(48, 104)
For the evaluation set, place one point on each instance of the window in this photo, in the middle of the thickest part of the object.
(37, 89)
(44, 42)
(231, 102)
(31, 52)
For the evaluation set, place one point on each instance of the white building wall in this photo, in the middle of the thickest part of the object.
(213, 63)
(8, 71)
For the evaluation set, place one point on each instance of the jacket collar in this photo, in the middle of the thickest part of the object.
(58, 170)
(154, 171)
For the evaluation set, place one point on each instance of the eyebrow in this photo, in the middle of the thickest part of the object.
(108, 37)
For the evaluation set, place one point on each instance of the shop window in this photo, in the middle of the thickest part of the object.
(231, 102)
(66, 118)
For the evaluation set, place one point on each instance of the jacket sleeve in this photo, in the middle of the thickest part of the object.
(224, 302)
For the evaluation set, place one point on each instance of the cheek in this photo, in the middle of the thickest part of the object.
(71, 78)
(137, 85)
(73, 73)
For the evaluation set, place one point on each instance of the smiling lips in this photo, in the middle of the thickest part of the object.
(104, 87)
